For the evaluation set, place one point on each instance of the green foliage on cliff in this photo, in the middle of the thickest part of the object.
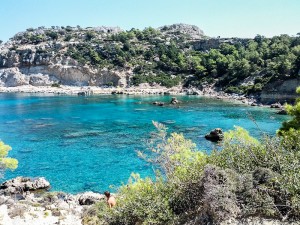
(6, 162)
(234, 65)
(148, 52)
(289, 127)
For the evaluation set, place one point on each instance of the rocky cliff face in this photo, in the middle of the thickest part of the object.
(191, 31)
(61, 74)
(28, 60)
(280, 91)
(42, 56)
(207, 44)
(32, 66)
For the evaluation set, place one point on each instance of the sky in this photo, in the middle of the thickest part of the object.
(225, 18)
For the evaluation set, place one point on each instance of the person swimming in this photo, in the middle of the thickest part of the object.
(111, 201)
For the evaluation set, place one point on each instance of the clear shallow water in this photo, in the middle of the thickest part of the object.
(89, 143)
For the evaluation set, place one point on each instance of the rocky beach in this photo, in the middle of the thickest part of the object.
(26, 201)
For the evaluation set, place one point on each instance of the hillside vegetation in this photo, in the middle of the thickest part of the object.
(167, 56)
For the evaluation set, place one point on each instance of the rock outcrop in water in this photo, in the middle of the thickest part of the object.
(215, 135)
(174, 101)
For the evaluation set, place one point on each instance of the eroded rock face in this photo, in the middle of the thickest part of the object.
(280, 91)
(12, 77)
(110, 30)
(20, 185)
(42, 80)
(191, 30)
(63, 74)
(39, 66)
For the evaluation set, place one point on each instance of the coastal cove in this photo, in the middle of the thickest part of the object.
(87, 143)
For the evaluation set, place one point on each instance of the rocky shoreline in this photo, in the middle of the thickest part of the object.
(144, 89)
(25, 201)
(91, 90)
(141, 90)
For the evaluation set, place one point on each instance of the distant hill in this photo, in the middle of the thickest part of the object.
(177, 54)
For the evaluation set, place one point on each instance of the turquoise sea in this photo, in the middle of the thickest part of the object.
(90, 143)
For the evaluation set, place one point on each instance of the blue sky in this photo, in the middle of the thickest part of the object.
(225, 18)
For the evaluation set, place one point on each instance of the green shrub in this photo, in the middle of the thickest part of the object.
(90, 35)
(142, 201)
(69, 29)
(233, 89)
(161, 79)
(52, 34)
(258, 87)
(6, 162)
(55, 85)
(276, 193)
(246, 178)
(211, 197)
(110, 84)
(68, 37)
(293, 123)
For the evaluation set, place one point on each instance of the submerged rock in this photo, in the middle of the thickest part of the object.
(20, 185)
(117, 92)
(276, 105)
(174, 101)
(215, 135)
(282, 111)
(158, 103)
(81, 93)
(192, 92)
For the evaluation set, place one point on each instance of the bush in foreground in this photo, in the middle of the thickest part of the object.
(6, 162)
(247, 177)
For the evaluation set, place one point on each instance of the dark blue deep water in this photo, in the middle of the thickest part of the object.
(89, 143)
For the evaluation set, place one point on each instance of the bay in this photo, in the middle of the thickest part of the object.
(89, 143)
